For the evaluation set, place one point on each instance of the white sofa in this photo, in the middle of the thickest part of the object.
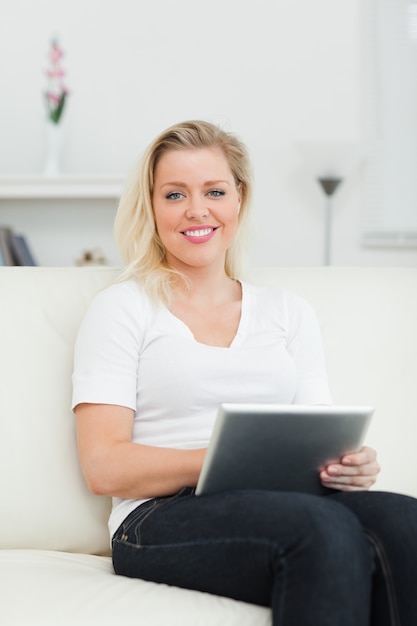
(54, 559)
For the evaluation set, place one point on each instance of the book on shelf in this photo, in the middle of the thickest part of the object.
(21, 251)
(5, 250)
(14, 248)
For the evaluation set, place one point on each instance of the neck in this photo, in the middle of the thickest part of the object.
(206, 284)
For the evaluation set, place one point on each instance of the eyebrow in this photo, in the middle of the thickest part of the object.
(208, 183)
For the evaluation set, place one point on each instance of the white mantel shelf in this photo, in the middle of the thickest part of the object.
(60, 187)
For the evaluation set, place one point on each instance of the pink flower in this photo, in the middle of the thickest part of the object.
(56, 53)
(56, 93)
(55, 74)
(53, 97)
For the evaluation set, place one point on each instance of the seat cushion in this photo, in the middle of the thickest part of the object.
(46, 588)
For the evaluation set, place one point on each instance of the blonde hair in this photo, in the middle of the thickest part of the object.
(134, 227)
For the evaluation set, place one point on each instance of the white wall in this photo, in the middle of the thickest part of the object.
(274, 71)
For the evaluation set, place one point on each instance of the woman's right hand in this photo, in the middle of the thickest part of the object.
(113, 465)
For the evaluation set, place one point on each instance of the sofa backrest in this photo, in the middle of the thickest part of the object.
(368, 319)
(369, 323)
(44, 501)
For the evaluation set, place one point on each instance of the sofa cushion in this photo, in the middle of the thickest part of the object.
(44, 501)
(368, 319)
(45, 588)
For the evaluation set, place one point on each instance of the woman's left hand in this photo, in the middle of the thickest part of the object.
(355, 472)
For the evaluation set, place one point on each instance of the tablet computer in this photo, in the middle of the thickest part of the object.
(279, 447)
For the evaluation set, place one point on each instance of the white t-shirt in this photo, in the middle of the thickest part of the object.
(131, 353)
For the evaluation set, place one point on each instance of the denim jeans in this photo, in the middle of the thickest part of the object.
(348, 559)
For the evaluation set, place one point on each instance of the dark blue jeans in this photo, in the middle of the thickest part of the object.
(348, 559)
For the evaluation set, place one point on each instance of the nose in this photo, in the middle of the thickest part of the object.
(197, 207)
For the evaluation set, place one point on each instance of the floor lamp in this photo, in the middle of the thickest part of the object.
(329, 186)
(329, 163)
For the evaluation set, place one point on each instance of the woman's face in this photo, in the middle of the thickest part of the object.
(196, 205)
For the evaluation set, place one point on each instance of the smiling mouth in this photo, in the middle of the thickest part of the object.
(203, 232)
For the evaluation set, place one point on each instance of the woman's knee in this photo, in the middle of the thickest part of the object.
(318, 527)
(335, 534)
(389, 511)
(389, 519)
(327, 555)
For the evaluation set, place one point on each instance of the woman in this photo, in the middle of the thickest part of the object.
(156, 355)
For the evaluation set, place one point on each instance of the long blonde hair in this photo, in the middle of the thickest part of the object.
(134, 227)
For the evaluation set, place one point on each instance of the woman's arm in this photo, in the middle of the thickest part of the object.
(113, 465)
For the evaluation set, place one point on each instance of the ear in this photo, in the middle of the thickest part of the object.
(239, 192)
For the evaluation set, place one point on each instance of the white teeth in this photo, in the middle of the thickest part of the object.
(198, 233)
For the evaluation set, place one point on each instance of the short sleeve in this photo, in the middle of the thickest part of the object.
(107, 349)
(305, 345)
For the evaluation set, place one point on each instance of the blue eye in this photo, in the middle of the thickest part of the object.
(175, 195)
(215, 193)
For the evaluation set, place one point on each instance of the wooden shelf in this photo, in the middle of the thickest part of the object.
(61, 187)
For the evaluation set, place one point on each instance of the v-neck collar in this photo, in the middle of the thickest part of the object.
(241, 329)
